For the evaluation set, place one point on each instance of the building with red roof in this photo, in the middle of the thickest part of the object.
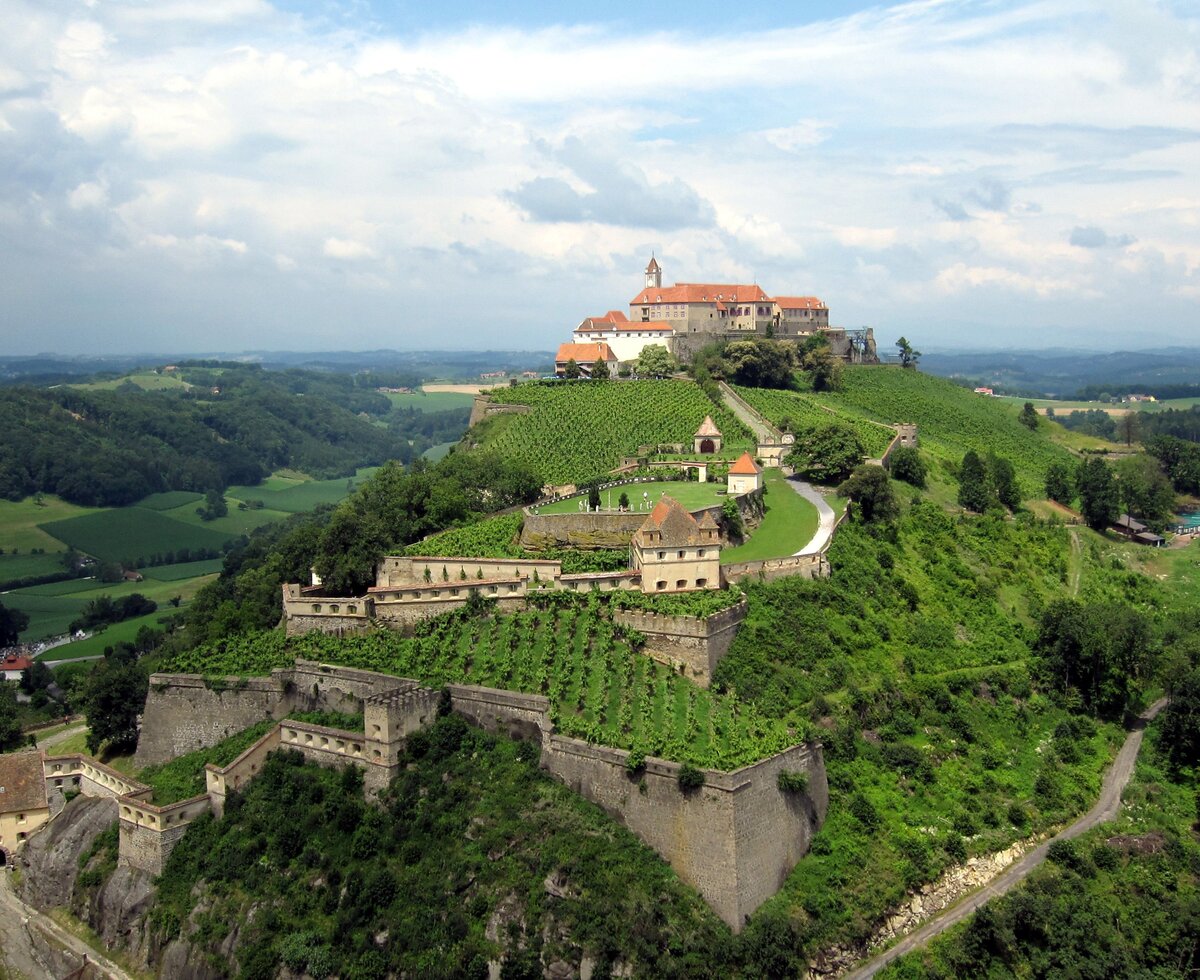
(13, 665)
(23, 804)
(586, 356)
(744, 476)
(675, 552)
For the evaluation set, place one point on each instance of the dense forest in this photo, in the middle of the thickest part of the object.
(231, 424)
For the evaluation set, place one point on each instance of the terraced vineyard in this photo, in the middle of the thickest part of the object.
(951, 419)
(579, 430)
(806, 412)
(599, 689)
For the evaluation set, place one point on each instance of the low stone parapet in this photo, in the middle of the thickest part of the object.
(695, 644)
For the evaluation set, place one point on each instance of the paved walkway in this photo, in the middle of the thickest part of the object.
(1105, 809)
(762, 429)
(826, 518)
(19, 953)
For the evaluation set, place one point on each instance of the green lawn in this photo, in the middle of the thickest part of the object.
(692, 495)
(789, 524)
(20, 522)
(49, 615)
(437, 453)
(133, 532)
(431, 401)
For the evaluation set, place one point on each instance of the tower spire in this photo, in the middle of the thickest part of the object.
(653, 274)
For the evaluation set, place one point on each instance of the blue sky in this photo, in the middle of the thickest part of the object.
(240, 174)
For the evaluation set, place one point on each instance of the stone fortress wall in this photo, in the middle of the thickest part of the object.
(692, 644)
(734, 839)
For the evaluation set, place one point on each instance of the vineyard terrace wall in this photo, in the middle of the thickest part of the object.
(691, 644)
(735, 838)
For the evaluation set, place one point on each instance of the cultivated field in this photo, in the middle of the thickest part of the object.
(598, 688)
(581, 429)
(431, 401)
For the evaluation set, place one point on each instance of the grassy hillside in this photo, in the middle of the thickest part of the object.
(579, 430)
(951, 419)
(599, 689)
(804, 410)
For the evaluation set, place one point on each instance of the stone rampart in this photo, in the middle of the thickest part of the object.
(91, 778)
(769, 569)
(584, 531)
(185, 712)
(519, 716)
(734, 839)
(328, 614)
(694, 643)
(221, 780)
(906, 436)
(483, 407)
(148, 834)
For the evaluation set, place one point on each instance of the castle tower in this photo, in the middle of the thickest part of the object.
(653, 274)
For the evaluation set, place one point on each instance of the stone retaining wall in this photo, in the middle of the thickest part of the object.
(769, 569)
(693, 643)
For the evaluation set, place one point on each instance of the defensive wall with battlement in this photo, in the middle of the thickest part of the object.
(693, 645)
(735, 838)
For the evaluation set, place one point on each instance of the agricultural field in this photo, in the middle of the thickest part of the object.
(132, 533)
(788, 525)
(146, 380)
(599, 688)
(234, 524)
(430, 401)
(21, 520)
(171, 500)
(296, 496)
(579, 430)
(806, 412)
(951, 419)
(52, 607)
(693, 496)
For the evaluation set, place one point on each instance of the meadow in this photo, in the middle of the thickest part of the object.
(297, 496)
(579, 430)
(430, 401)
(130, 533)
(599, 688)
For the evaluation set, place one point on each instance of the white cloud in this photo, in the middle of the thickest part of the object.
(345, 248)
(530, 172)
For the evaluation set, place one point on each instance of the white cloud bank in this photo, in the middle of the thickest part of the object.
(186, 175)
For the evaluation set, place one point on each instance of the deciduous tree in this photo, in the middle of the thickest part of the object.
(1099, 496)
(974, 487)
(871, 491)
(827, 454)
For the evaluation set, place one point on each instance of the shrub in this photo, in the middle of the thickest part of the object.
(690, 777)
(906, 464)
(793, 782)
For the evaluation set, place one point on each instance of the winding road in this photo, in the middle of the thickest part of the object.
(826, 518)
(1105, 809)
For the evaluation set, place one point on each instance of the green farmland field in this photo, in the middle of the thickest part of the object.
(132, 532)
(21, 523)
(170, 500)
(16, 567)
(185, 570)
(300, 496)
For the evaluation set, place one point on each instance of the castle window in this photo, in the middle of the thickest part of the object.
(701, 583)
(334, 608)
(680, 553)
(660, 585)
(352, 609)
(681, 583)
(662, 554)
(316, 607)
(700, 553)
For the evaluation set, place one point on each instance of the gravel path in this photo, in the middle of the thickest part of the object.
(827, 519)
(1105, 809)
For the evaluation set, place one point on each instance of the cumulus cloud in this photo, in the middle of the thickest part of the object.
(616, 193)
(1092, 237)
(234, 166)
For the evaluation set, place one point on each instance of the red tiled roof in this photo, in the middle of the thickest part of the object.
(22, 782)
(655, 326)
(675, 524)
(585, 353)
(701, 292)
(745, 466)
(653, 266)
(799, 303)
(15, 661)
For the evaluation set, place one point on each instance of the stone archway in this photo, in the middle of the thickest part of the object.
(3, 857)
(706, 446)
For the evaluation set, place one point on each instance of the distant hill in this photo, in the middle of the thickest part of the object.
(1073, 374)
(112, 444)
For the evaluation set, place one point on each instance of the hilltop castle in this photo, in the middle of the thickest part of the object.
(689, 315)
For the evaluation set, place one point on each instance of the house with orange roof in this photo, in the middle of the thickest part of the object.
(586, 356)
(624, 338)
(675, 552)
(744, 475)
(23, 804)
